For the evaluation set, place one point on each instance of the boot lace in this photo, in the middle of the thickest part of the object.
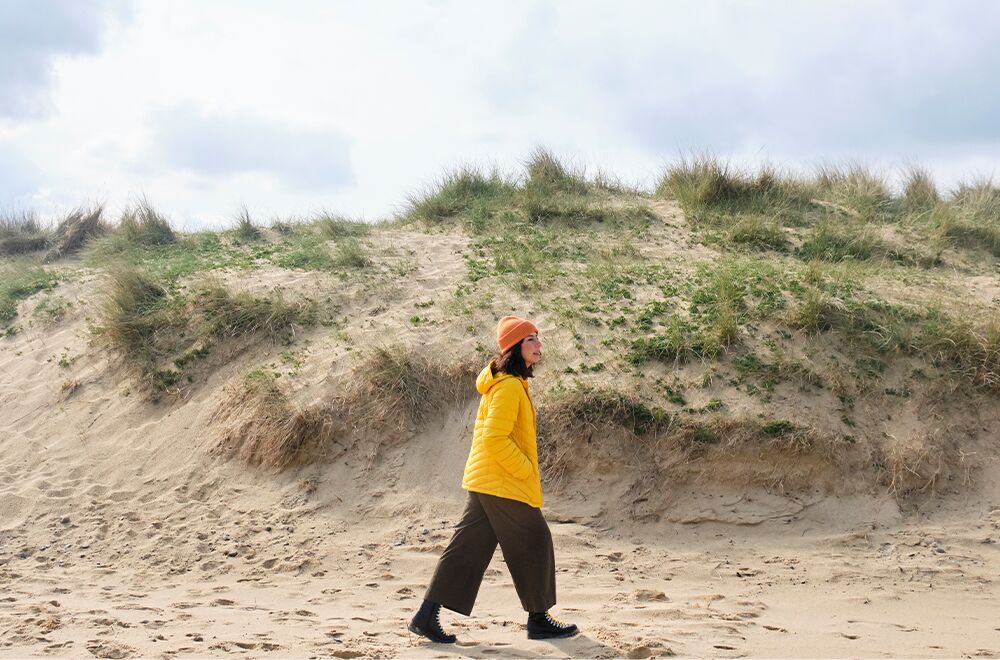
(555, 622)
(437, 622)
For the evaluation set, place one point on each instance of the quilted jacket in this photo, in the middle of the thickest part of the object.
(503, 460)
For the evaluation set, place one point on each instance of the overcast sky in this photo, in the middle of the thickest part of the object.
(295, 106)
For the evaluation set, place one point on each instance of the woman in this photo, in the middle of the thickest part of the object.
(505, 499)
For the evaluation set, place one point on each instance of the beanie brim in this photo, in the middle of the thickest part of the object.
(511, 330)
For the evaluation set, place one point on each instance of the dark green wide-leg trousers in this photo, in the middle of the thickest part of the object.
(524, 540)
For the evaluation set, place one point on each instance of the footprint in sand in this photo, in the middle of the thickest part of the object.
(108, 649)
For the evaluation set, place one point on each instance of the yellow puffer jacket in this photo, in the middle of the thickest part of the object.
(503, 460)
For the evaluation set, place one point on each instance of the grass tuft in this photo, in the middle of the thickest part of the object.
(141, 224)
(349, 253)
(703, 182)
(546, 174)
(21, 233)
(398, 387)
(240, 314)
(77, 229)
(134, 312)
(334, 227)
(464, 191)
(262, 428)
(246, 230)
(919, 193)
(147, 326)
(759, 233)
(863, 192)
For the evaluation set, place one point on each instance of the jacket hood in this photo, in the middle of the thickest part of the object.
(487, 380)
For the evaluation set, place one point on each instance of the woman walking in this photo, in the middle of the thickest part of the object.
(505, 499)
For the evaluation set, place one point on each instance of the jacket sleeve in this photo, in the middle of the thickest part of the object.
(498, 426)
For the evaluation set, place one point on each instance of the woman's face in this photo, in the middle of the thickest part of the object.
(531, 349)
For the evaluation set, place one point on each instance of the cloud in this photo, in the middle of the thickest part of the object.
(224, 146)
(18, 177)
(32, 34)
(813, 79)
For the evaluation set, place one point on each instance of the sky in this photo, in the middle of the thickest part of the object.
(301, 106)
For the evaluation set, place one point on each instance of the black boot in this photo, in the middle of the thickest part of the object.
(541, 625)
(427, 622)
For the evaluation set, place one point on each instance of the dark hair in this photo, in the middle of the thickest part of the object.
(511, 362)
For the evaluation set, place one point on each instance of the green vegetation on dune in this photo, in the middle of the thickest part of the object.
(548, 193)
(17, 282)
(144, 238)
(21, 233)
(840, 209)
(833, 285)
(158, 333)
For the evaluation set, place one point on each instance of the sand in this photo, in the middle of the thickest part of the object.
(123, 535)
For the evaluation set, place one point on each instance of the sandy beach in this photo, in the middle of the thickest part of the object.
(118, 543)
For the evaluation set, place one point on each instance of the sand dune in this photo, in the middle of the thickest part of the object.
(122, 537)
(123, 533)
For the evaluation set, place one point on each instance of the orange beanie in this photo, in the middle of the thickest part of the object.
(511, 330)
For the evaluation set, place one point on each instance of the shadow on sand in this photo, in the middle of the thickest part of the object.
(579, 646)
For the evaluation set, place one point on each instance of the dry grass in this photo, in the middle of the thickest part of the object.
(397, 388)
(392, 391)
(148, 327)
(77, 229)
(546, 173)
(239, 314)
(919, 194)
(21, 233)
(142, 225)
(134, 311)
(704, 182)
(922, 465)
(816, 312)
(260, 427)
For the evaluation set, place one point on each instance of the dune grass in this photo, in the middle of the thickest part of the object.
(21, 233)
(394, 390)
(245, 230)
(149, 327)
(829, 241)
(136, 313)
(76, 230)
(703, 183)
(840, 206)
(576, 426)
(259, 426)
(466, 190)
(142, 224)
(239, 314)
(334, 227)
(972, 217)
(547, 192)
(398, 387)
(724, 299)
(920, 194)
